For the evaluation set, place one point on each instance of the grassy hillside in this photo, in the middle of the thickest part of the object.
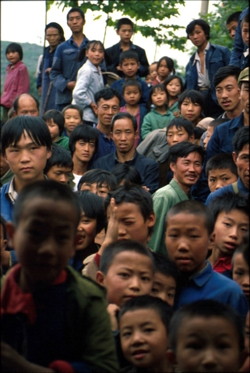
(31, 52)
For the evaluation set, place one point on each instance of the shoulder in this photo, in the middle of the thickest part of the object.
(219, 48)
(146, 160)
(219, 192)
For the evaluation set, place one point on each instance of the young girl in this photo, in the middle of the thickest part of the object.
(165, 66)
(191, 106)
(72, 118)
(132, 94)
(174, 86)
(89, 81)
(17, 77)
(159, 116)
(55, 122)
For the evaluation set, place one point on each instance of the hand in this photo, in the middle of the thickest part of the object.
(112, 229)
(112, 311)
(48, 70)
(71, 85)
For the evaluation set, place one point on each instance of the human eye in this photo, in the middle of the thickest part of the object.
(196, 104)
(171, 294)
(148, 330)
(155, 290)
(34, 147)
(211, 180)
(239, 272)
(125, 334)
(123, 275)
(225, 178)
(145, 278)
(193, 346)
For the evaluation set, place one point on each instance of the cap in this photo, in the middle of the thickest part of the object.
(244, 75)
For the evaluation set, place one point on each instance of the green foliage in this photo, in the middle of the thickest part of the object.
(138, 10)
(217, 20)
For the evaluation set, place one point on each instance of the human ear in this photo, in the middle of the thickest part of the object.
(100, 278)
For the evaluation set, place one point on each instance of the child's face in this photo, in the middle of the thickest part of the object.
(101, 190)
(129, 67)
(13, 57)
(153, 71)
(125, 32)
(159, 98)
(187, 241)
(174, 87)
(72, 119)
(190, 110)
(132, 95)
(229, 231)
(241, 273)
(27, 159)
(129, 275)
(163, 71)
(209, 133)
(207, 345)
(53, 129)
(86, 232)
(219, 178)
(245, 33)
(187, 169)
(144, 339)
(44, 240)
(84, 150)
(95, 54)
(175, 135)
(59, 173)
(164, 287)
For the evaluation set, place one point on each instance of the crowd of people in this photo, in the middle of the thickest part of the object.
(124, 206)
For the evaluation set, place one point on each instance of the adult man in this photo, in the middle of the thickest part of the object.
(185, 161)
(25, 104)
(107, 105)
(232, 23)
(66, 62)
(203, 64)
(228, 91)
(124, 133)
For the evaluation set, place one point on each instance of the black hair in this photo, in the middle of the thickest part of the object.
(181, 123)
(205, 308)
(100, 177)
(45, 189)
(172, 77)
(129, 54)
(183, 149)
(200, 22)
(73, 106)
(226, 71)
(117, 247)
(217, 121)
(245, 19)
(91, 43)
(195, 97)
(193, 207)
(107, 94)
(233, 17)
(76, 9)
(133, 83)
(127, 174)
(57, 118)
(155, 88)
(83, 132)
(93, 207)
(169, 62)
(198, 132)
(124, 115)
(148, 302)
(166, 266)
(221, 161)
(15, 104)
(240, 139)
(35, 127)
(15, 47)
(124, 21)
(59, 157)
(58, 27)
(243, 249)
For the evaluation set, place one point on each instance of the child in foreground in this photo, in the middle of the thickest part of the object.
(53, 320)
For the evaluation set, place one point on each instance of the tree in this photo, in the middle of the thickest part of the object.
(138, 10)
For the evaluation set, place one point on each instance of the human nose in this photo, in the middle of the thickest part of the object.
(218, 185)
(25, 156)
(233, 231)
(137, 337)
(190, 107)
(63, 179)
(182, 245)
(47, 247)
(121, 231)
(209, 359)
(134, 283)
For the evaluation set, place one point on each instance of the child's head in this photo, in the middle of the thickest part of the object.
(126, 271)
(94, 51)
(83, 143)
(179, 129)
(126, 174)
(73, 117)
(230, 213)
(14, 53)
(134, 212)
(98, 181)
(165, 66)
(125, 29)
(152, 71)
(46, 216)
(210, 129)
(174, 85)
(245, 29)
(206, 336)
(158, 96)
(59, 166)
(191, 105)
(166, 278)
(240, 263)
(93, 219)
(188, 229)
(131, 91)
(26, 146)
(55, 122)
(129, 63)
(221, 171)
(144, 327)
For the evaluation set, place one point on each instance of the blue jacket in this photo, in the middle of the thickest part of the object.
(216, 57)
(228, 188)
(237, 58)
(147, 168)
(6, 205)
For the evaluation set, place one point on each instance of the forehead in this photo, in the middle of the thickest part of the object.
(74, 15)
(176, 129)
(197, 28)
(112, 101)
(129, 208)
(231, 79)
(25, 101)
(196, 325)
(52, 30)
(140, 316)
(129, 60)
(219, 172)
(132, 260)
(190, 156)
(231, 25)
(244, 150)
(72, 112)
(25, 139)
(190, 219)
(123, 123)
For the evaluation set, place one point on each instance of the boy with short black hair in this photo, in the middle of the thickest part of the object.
(60, 165)
(52, 318)
(55, 122)
(98, 181)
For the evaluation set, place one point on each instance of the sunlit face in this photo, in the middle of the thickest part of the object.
(53, 36)
(187, 241)
(229, 230)
(191, 110)
(95, 54)
(86, 232)
(159, 98)
(207, 345)
(242, 163)
(101, 190)
(228, 93)
(153, 70)
(72, 119)
(53, 129)
(209, 133)
(124, 135)
(231, 28)
(245, 33)
(106, 109)
(244, 96)
(129, 67)
(163, 70)
(218, 178)
(164, 287)
(125, 32)
(144, 339)
(174, 87)
(27, 106)
(177, 134)
(75, 22)
(61, 174)
(130, 274)
(13, 57)
(241, 273)
(84, 150)
(198, 37)
(132, 95)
